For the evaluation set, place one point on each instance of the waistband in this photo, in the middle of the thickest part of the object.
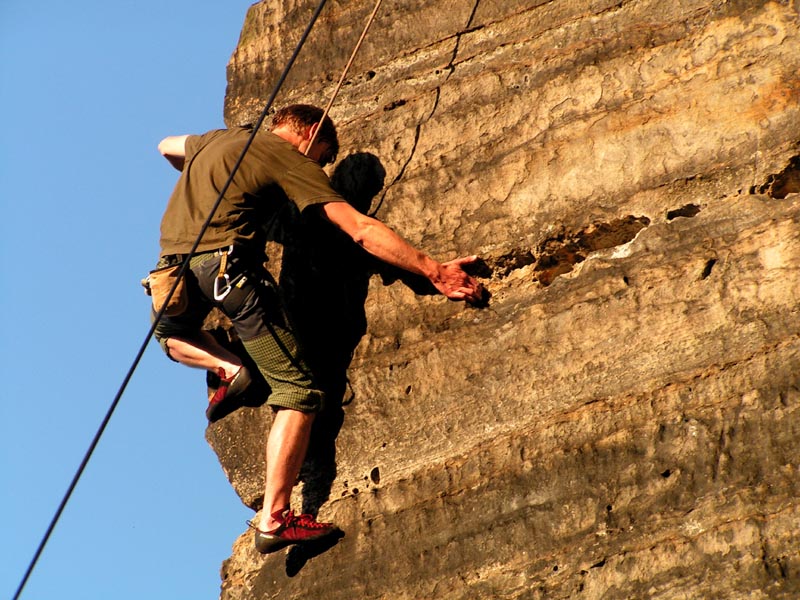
(238, 252)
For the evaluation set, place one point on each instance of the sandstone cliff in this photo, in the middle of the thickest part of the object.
(622, 419)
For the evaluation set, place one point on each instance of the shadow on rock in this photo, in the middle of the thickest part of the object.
(324, 278)
(299, 555)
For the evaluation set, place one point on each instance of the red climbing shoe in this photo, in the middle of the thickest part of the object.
(294, 529)
(228, 389)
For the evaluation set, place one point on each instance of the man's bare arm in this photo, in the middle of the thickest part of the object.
(381, 241)
(173, 148)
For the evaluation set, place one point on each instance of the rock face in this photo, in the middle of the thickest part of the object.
(621, 421)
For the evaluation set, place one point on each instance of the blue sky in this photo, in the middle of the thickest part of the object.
(88, 89)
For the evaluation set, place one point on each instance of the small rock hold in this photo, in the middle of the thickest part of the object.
(375, 475)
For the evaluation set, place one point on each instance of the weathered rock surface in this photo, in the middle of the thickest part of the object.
(622, 420)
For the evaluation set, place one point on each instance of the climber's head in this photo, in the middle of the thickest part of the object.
(297, 123)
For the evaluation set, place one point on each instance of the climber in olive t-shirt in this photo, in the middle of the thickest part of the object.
(227, 272)
(271, 162)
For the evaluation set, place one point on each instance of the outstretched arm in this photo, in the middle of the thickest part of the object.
(381, 241)
(173, 148)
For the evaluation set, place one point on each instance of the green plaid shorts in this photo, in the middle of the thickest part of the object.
(256, 310)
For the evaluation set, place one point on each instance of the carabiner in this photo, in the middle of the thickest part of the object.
(219, 296)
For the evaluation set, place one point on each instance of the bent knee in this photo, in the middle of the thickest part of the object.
(164, 342)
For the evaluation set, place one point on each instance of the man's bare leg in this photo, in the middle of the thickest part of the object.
(286, 450)
(203, 352)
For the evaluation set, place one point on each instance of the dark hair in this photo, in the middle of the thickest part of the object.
(300, 116)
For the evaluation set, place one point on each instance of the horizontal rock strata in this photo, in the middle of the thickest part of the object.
(621, 420)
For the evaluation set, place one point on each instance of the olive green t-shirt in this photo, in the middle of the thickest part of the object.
(271, 168)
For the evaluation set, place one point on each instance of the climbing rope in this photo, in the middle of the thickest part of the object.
(344, 73)
(160, 313)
